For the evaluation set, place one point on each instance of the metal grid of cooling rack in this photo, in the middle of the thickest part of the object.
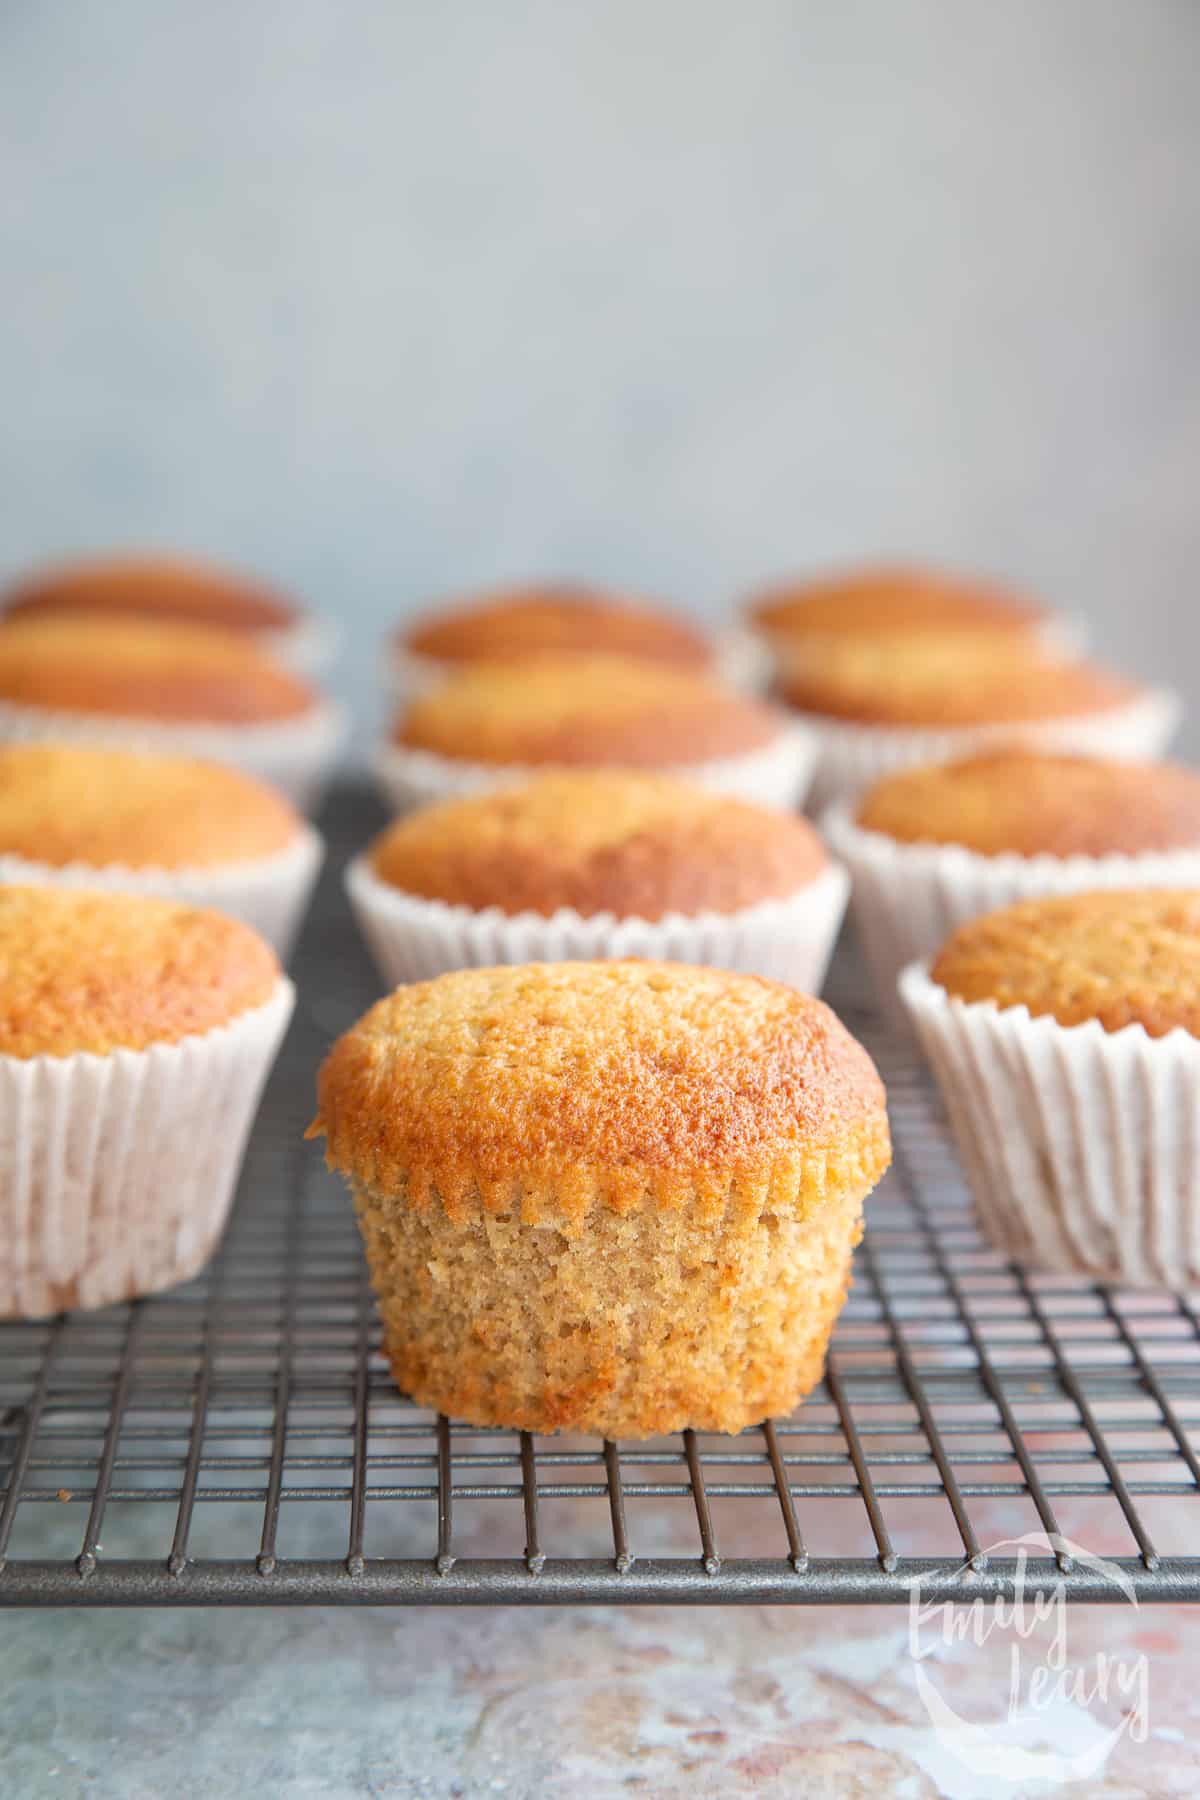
(239, 1440)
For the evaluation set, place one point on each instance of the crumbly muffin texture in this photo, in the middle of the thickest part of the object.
(573, 711)
(959, 680)
(73, 803)
(619, 1197)
(555, 617)
(95, 972)
(1122, 958)
(131, 668)
(152, 587)
(1028, 803)
(637, 846)
(891, 598)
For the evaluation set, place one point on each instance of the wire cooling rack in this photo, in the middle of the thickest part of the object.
(239, 1440)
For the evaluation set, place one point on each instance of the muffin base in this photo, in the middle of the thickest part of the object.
(269, 893)
(1080, 1145)
(852, 757)
(907, 898)
(640, 1323)
(295, 755)
(777, 775)
(117, 1172)
(413, 939)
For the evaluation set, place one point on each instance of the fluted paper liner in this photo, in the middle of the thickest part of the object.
(853, 757)
(117, 1171)
(294, 755)
(269, 893)
(307, 646)
(413, 939)
(906, 899)
(1081, 1146)
(776, 775)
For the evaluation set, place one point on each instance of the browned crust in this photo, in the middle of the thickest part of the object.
(99, 972)
(1020, 802)
(127, 668)
(961, 681)
(1120, 958)
(890, 598)
(151, 587)
(557, 617)
(638, 846)
(581, 711)
(554, 1087)
(74, 803)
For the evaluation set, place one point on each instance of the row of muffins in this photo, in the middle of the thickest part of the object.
(463, 1334)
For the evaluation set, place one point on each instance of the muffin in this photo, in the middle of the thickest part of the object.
(174, 591)
(135, 1036)
(497, 723)
(890, 703)
(555, 618)
(79, 815)
(801, 621)
(599, 864)
(179, 688)
(608, 1197)
(931, 847)
(1065, 1036)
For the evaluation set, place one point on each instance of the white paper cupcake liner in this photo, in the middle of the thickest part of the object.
(117, 1171)
(295, 755)
(908, 898)
(306, 648)
(413, 939)
(853, 757)
(1081, 1146)
(777, 775)
(270, 893)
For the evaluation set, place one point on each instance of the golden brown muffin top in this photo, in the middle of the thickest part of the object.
(103, 972)
(963, 680)
(638, 846)
(68, 803)
(552, 1085)
(1122, 958)
(516, 622)
(580, 710)
(1026, 803)
(151, 587)
(126, 668)
(891, 598)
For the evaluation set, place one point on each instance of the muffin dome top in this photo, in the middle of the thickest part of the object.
(521, 621)
(151, 587)
(1026, 803)
(891, 599)
(1121, 958)
(599, 842)
(68, 803)
(580, 710)
(102, 972)
(550, 1085)
(961, 680)
(128, 668)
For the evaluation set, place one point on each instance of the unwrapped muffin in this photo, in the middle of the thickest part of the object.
(931, 847)
(80, 815)
(1065, 1037)
(175, 688)
(612, 1197)
(135, 1036)
(599, 864)
(891, 703)
(173, 590)
(498, 723)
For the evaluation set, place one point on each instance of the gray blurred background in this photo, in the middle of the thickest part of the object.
(387, 300)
